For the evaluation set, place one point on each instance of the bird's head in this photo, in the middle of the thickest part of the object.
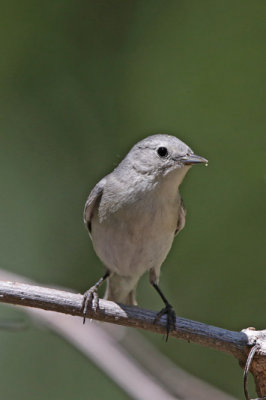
(157, 155)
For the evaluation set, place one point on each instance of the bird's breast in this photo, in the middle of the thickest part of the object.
(137, 235)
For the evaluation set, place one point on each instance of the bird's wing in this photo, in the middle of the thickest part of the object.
(94, 196)
(181, 217)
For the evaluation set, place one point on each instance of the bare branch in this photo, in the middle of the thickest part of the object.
(71, 303)
(237, 344)
(115, 348)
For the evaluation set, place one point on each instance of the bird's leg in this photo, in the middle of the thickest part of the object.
(168, 309)
(91, 295)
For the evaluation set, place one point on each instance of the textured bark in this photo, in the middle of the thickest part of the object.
(237, 344)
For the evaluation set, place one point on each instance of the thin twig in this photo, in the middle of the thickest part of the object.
(235, 343)
(70, 303)
(114, 347)
(247, 366)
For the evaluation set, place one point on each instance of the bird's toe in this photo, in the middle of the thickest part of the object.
(90, 297)
(169, 311)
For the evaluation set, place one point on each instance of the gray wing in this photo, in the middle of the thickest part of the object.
(94, 196)
(181, 217)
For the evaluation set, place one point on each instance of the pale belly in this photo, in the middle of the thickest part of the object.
(132, 241)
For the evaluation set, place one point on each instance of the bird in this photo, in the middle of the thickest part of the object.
(133, 215)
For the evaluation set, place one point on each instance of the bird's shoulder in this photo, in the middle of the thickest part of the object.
(181, 220)
(93, 199)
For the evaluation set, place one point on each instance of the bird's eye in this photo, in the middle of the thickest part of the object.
(162, 151)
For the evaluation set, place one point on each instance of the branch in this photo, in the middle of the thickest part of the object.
(130, 350)
(237, 344)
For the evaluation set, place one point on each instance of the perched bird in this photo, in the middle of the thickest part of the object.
(133, 215)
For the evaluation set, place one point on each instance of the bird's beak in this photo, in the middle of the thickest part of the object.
(191, 159)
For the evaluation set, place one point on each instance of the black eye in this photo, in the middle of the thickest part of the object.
(162, 151)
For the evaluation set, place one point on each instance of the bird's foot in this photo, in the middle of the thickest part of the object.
(90, 297)
(170, 318)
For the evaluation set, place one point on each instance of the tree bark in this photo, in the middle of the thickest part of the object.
(237, 344)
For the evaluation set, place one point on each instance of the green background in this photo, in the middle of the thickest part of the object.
(80, 83)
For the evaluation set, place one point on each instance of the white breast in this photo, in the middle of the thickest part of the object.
(139, 235)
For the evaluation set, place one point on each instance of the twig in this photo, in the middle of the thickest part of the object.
(71, 303)
(247, 366)
(114, 347)
(235, 343)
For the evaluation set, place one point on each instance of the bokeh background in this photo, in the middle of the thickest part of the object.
(80, 83)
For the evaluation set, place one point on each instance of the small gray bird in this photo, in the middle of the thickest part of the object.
(133, 215)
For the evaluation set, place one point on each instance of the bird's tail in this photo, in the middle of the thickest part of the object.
(121, 289)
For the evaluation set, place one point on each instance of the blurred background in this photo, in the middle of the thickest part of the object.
(81, 82)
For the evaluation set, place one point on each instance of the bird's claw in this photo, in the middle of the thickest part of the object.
(90, 297)
(170, 318)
